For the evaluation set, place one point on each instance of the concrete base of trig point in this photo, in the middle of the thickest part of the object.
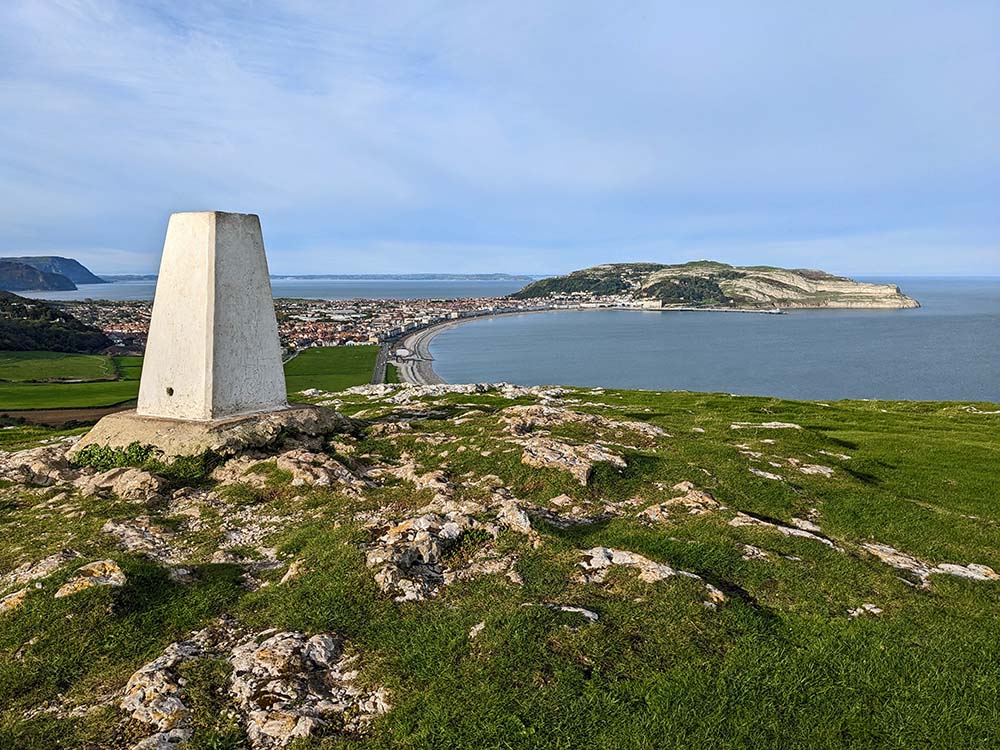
(181, 437)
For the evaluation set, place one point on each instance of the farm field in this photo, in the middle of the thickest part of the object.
(37, 366)
(330, 368)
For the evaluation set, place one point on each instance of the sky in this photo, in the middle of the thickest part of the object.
(525, 137)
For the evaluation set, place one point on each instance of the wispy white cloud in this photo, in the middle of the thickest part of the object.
(508, 136)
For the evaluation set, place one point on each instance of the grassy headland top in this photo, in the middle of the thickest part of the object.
(497, 566)
(709, 284)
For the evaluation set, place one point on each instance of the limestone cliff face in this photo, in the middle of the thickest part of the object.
(710, 284)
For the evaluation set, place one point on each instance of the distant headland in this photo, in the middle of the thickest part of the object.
(44, 273)
(710, 284)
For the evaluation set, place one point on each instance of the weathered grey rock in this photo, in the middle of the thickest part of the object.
(131, 484)
(99, 573)
(307, 468)
(598, 561)
(922, 571)
(154, 694)
(578, 460)
(289, 685)
(175, 437)
(12, 601)
(693, 502)
(801, 528)
(42, 466)
(524, 419)
(408, 556)
(29, 572)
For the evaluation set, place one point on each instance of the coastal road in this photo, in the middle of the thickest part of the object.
(417, 367)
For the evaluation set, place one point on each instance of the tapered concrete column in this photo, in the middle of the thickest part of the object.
(213, 349)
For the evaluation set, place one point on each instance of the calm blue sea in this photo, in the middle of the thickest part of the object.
(947, 349)
(305, 288)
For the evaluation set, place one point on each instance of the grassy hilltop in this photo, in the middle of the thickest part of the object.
(526, 568)
(706, 283)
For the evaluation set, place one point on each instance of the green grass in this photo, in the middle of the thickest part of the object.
(779, 664)
(332, 368)
(328, 368)
(35, 366)
(391, 373)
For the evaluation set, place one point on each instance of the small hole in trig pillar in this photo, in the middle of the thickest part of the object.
(170, 391)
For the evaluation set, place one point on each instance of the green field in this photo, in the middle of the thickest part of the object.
(331, 368)
(489, 662)
(328, 368)
(25, 366)
(391, 373)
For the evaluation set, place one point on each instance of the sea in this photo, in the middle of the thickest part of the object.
(948, 349)
(316, 288)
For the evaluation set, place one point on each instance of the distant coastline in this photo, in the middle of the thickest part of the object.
(126, 277)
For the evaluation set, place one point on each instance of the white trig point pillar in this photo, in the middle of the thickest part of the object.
(213, 350)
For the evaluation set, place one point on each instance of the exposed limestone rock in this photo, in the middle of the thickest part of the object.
(99, 573)
(841, 456)
(922, 571)
(751, 552)
(521, 420)
(584, 613)
(43, 466)
(766, 474)
(289, 686)
(153, 696)
(765, 426)
(864, 609)
(476, 630)
(13, 601)
(408, 557)
(804, 468)
(485, 563)
(598, 562)
(511, 516)
(802, 528)
(33, 571)
(693, 502)
(578, 460)
(404, 393)
(143, 537)
(306, 467)
(130, 484)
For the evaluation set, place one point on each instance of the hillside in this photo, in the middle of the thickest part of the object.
(711, 284)
(20, 277)
(497, 566)
(28, 325)
(71, 269)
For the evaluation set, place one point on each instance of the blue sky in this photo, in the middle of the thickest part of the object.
(857, 137)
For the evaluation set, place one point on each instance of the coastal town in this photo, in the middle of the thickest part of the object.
(305, 323)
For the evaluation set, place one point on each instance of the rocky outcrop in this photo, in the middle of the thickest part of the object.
(598, 561)
(524, 419)
(130, 484)
(578, 460)
(284, 686)
(408, 558)
(99, 573)
(42, 467)
(288, 685)
(693, 502)
(922, 571)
